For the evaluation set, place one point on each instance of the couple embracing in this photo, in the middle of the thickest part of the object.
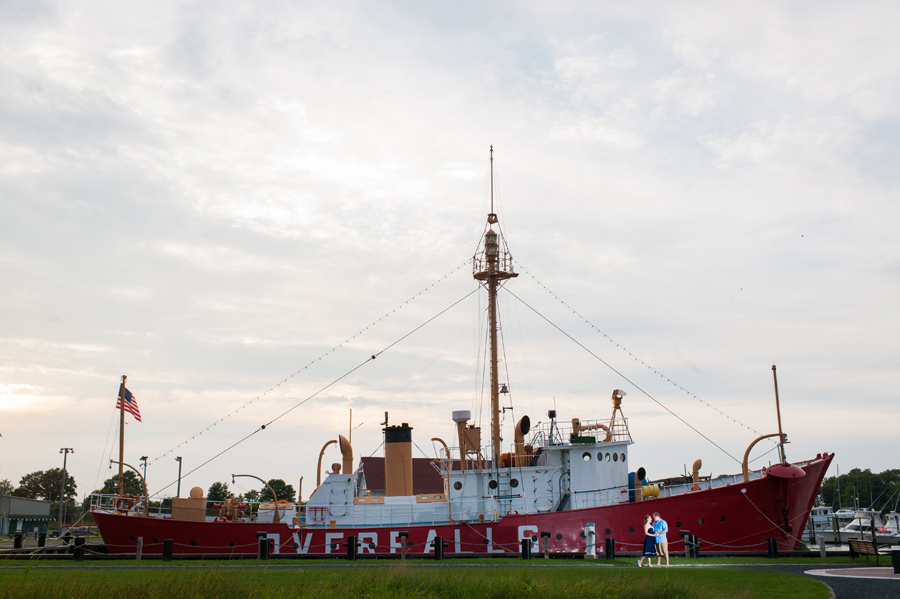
(655, 543)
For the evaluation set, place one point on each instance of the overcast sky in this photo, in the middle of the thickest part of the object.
(209, 196)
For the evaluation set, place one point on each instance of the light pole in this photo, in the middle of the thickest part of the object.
(178, 492)
(144, 464)
(62, 490)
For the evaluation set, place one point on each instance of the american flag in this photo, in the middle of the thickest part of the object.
(130, 404)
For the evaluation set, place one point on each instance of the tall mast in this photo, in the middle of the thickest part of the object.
(122, 436)
(492, 264)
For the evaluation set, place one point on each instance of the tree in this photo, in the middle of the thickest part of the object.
(282, 490)
(6, 487)
(45, 484)
(131, 482)
(219, 492)
(251, 495)
(863, 488)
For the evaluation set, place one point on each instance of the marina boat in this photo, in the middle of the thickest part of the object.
(864, 524)
(564, 486)
(820, 519)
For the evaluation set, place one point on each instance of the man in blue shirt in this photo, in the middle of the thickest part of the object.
(662, 545)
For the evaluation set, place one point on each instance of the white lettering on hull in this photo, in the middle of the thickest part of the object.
(332, 537)
(302, 548)
(490, 538)
(276, 541)
(428, 546)
(364, 539)
(527, 532)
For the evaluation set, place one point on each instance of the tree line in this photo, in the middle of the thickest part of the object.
(863, 489)
(47, 485)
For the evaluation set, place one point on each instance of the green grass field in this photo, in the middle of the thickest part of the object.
(402, 581)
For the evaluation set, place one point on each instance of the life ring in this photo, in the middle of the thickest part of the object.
(601, 426)
(124, 503)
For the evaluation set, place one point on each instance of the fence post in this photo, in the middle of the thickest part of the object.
(263, 542)
(773, 548)
(545, 540)
(42, 539)
(138, 548)
(403, 536)
(438, 543)
(79, 549)
(526, 548)
(590, 538)
(168, 550)
(610, 548)
(17, 540)
(351, 548)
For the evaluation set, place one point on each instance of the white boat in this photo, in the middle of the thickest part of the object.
(863, 526)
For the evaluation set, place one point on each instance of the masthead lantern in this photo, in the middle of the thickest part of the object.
(491, 247)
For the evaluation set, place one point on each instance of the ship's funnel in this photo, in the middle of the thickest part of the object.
(398, 460)
(469, 437)
(696, 474)
(347, 452)
(522, 428)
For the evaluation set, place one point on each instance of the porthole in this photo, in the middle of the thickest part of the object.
(623, 457)
(457, 485)
(492, 484)
(193, 543)
(607, 532)
(514, 483)
(130, 537)
(631, 529)
(558, 537)
(722, 518)
(582, 534)
(700, 521)
(764, 513)
(599, 456)
(534, 538)
(607, 457)
(155, 541)
(678, 524)
(586, 456)
(615, 457)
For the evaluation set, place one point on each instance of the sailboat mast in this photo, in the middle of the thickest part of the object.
(122, 436)
(491, 265)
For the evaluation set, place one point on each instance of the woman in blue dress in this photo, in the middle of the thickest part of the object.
(649, 543)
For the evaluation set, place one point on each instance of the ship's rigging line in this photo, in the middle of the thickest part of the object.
(636, 386)
(623, 348)
(332, 383)
(330, 351)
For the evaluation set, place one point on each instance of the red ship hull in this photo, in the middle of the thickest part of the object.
(732, 518)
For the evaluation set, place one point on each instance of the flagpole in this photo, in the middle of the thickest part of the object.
(122, 436)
